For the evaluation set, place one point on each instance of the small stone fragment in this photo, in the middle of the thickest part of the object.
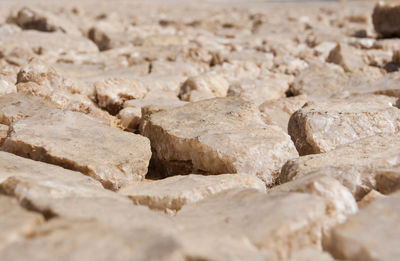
(220, 135)
(369, 163)
(204, 86)
(369, 198)
(174, 192)
(322, 126)
(372, 234)
(78, 142)
(346, 57)
(386, 19)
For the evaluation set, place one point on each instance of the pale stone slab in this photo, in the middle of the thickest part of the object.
(322, 126)
(78, 142)
(174, 192)
(220, 135)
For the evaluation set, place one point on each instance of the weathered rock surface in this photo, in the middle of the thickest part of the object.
(370, 163)
(386, 19)
(322, 126)
(3, 133)
(76, 141)
(203, 87)
(266, 222)
(309, 254)
(278, 112)
(174, 192)
(353, 240)
(112, 93)
(76, 240)
(221, 135)
(15, 222)
(369, 198)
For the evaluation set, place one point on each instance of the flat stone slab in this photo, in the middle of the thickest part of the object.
(370, 163)
(174, 192)
(215, 136)
(372, 234)
(322, 126)
(78, 142)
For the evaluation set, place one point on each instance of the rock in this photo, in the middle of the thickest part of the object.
(341, 201)
(352, 240)
(3, 133)
(7, 82)
(187, 69)
(322, 126)
(369, 198)
(130, 118)
(310, 254)
(386, 19)
(87, 240)
(174, 192)
(261, 89)
(366, 164)
(71, 140)
(386, 85)
(15, 222)
(277, 112)
(112, 93)
(39, 79)
(20, 105)
(278, 224)
(34, 19)
(203, 87)
(220, 135)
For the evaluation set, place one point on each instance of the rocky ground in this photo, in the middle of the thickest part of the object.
(199, 131)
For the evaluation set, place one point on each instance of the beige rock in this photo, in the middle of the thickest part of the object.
(108, 35)
(279, 224)
(112, 93)
(187, 69)
(341, 201)
(88, 240)
(369, 163)
(35, 19)
(278, 112)
(174, 192)
(7, 81)
(15, 222)
(372, 234)
(310, 254)
(386, 85)
(204, 86)
(386, 19)
(39, 79)
(20, 105)
(259, 90)
(322, 126)
(130, 117)
(220, 135)
(77, 142)
(369, 198)
(3, 133)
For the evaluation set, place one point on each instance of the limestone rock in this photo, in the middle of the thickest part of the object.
(322, 126)
(35, 19)
(3, 133)
(15, 222)
(88, 240)
(20, 105)
(348, 58)
(77, 142)
(386, 85)
(174, 192)
(366, 164)
(112, 93)
(187, 69)
(7, 82)
(278, 112)
(220, 135)
(352, 240)
(369, 198)
(204, 86)
(310, 254)
(339, 197)
(279, 224)
(386, 19)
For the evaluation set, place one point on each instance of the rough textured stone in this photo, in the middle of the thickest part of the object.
(75, 141)
(347, 57)
(112, 93)
(7, 81)
(322, 126)
(369, 198)
(278, 112)
(88, 240)
(15, 222)
(352, 240)
(310, 254)
(203, 87)
(386, 19)
(370, 163)
(279, 224)
(174, 192)
(3, 133)
(220, 135)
